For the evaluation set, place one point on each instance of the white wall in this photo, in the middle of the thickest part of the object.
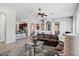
(52, 27)
(76, 22)
(65, 24)
(10, 24)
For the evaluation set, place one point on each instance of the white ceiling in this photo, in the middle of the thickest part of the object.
(27, 10)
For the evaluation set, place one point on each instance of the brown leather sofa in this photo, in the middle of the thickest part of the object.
(48, 39)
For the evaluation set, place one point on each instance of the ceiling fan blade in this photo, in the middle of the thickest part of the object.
(42, 15)
(45, 15)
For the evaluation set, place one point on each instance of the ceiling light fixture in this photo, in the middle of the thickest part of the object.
(40, 13)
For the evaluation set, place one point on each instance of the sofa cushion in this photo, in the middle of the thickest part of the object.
(54, 37)
(47, 36)
(53, 40)
(46, 39)
(39, 35)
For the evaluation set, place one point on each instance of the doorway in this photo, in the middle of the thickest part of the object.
(48, 26)
(56, 28)
(2, 28)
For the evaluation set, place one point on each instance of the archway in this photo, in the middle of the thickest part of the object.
(2, 27)
(57, 25)
(48, 26)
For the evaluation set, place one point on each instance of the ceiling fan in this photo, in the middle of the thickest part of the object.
(41, 13)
